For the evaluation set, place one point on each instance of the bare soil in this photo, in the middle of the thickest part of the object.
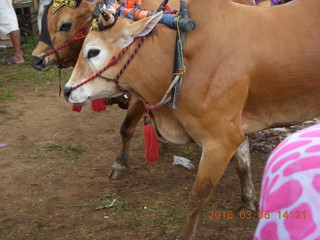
(54, 175)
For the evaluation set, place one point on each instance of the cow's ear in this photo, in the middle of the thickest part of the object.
(96, 11)
(145, 26)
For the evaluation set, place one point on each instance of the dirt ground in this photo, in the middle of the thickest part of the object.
(54, 165)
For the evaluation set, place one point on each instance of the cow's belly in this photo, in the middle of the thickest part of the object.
(172, 130)
(279, 114)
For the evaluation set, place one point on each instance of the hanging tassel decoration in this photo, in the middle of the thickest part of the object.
(150, 140)
(76, 108)
(98, 105)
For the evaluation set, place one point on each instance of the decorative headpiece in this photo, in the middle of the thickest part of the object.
(108, 16)
(94, 25)
(57, 4)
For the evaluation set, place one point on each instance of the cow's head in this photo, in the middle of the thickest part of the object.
(60, 23)
(98, 50)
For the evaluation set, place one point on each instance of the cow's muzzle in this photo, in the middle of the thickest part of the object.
(38, 63)
(67, 92)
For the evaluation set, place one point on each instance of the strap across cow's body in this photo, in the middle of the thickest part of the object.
(179, 68)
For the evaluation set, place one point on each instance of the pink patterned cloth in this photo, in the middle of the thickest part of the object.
(290, 194)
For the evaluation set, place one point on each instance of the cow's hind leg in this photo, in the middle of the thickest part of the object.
(134, 114)
(216, 155)
(242, 160)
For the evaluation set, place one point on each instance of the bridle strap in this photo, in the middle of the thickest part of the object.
(78, 36)
(45, 36)
(128, 62)
(166, 98)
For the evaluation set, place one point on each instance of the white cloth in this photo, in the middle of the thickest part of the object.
(8, 17)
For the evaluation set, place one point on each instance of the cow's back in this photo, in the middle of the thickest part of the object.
(284, 66)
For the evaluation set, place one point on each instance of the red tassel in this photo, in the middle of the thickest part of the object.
(98, 105)
(76, 108)
(150, 141)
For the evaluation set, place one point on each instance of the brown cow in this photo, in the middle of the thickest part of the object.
(63, 26)
(231, 88)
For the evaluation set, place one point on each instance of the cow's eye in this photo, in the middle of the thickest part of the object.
(93, 53)
(65, 27)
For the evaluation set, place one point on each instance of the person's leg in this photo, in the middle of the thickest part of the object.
(15, 38)
(9, 25)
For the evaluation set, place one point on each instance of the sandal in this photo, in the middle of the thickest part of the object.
(11, 61)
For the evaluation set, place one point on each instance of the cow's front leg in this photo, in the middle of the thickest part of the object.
(216, 155)
(134, 114)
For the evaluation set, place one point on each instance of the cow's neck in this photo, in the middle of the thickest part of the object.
(150, 73)
(149, 76)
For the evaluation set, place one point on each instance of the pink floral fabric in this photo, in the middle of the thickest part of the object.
(290, 194)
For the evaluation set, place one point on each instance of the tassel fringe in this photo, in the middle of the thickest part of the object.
(98, 105)
(150, 141)
(76, 108)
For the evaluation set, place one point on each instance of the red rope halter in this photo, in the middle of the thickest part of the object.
(114, 61)
(78, 36)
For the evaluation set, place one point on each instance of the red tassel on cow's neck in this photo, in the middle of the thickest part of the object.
(98, 105)
(76, 108)
(150, 140)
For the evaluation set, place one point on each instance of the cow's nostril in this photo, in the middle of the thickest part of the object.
(37, 63)
(67, 93)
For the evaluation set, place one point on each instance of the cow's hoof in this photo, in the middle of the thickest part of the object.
(116, 171)
(245, 207)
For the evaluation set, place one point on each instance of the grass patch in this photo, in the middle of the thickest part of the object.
(52, 150)
(2, 111)
(27, 46)
(36, 227)
(167, 220)
(47, 154)
(69, 152)
(144, 214)
(110, 130)
(53, 174)
(119, 205)
(12, 75)
(28, 76)
(6, 94)
(32, 206)
(8, 237)
(24, 72)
